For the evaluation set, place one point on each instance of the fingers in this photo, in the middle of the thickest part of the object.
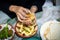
(20, 16)
(27, 22)
(23, 14)
(23, 11)
(24, 21)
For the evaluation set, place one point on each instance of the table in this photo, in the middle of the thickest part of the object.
(7, 19)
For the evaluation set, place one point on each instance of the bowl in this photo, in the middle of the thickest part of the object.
(50, 30)
(23, 33)
(7, 28)
(26, 30)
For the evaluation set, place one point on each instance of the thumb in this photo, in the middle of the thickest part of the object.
(33, 9)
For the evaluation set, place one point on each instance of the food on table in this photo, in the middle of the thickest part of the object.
(50, 30)
(24, 30)
(6, 31)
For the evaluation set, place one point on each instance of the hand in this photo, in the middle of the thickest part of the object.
(21, 13)
(33, 9)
